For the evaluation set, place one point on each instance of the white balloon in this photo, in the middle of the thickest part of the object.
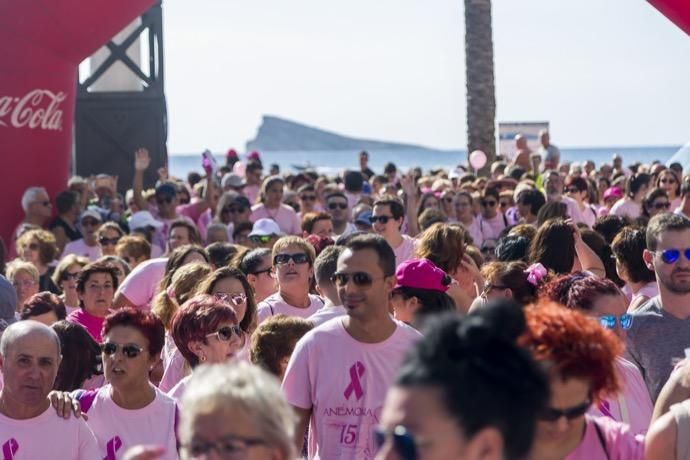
(477, 159)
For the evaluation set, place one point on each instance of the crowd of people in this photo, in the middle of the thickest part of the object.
(538, 311)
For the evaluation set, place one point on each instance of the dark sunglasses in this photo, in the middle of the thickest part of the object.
(662, 205)
(311, 198)
(66, 276)
(571, 413)
(671, 256)
(108, 241)
(360, 279)
(667, 181)
(334, 206)
(572, 190)
(609, 321)
(381, 219)
(488, 249)
(267, 270)
(298, 258)
(227, 333)
(488, 204)
(234, 210)
(130, 350)
(263, 239)
(164, 199)
(404, 443)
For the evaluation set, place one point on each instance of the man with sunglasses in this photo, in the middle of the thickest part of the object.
(387, 220)
(339, 209)
(339, 372)
(87, 246)
(29, 359)
(660, 330)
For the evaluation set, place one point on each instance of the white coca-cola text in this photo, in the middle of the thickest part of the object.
(37, 109)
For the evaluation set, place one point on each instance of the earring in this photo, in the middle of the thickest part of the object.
(203, 359)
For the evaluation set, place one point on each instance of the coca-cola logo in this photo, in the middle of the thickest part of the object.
(37, 109)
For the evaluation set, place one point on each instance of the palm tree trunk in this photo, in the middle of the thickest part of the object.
(481, 94)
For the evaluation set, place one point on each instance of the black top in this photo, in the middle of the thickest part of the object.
(72, 233)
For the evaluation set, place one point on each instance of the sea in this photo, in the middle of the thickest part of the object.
(334, 162)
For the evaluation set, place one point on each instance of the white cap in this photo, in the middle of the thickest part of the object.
(90, 212)
(263, 227)
(143, 219)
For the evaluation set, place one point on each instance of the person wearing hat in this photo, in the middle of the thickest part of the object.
(231, 182)
(420, 291)
(265, 233)
(143, 223)
(87, 246)
(611, 196)
(231, 158)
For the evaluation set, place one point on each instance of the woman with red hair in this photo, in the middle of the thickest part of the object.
(579, 356)
(601, 299)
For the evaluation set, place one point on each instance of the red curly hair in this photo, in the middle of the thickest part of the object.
(573, 346)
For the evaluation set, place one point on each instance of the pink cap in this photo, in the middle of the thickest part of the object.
(254, 155)
(232, 153)
(421, 274)
(613, 192)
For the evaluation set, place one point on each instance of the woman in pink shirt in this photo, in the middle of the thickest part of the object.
(579, 356)
(271, 207)
(601, 299)
(491, 220)
(669, 181)
(96, 285)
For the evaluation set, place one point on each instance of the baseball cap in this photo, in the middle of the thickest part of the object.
(90, 212)
(254, 155)
(8, 301)
(263, 227)
(232, 153)
(232, 180)
(364, 217)
(143, 219)
(421, 274)
(613, 192)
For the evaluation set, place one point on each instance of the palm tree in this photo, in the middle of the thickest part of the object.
(479, 63)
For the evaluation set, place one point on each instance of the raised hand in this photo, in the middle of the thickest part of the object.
(141, 160)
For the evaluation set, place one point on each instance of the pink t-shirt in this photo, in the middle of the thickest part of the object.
(79, 247)
(620, 442)
(93, 324)
(141, 285)
(284, 216)
(327, 313)
(626, 207)
(275, 305)
(178, 390)
(475, 232)
(251, 192)
(344, 382)
(34, 438)
(633, 405)
(405, 251)
(174, 370)
(118, 429)
(491, 228)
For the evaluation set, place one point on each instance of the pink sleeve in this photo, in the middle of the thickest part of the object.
(296, 224)
(297, 382)
(191, 210)
(621, 442)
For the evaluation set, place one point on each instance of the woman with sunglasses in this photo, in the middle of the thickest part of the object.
(229, 285)
(491, 220)
(38, 247)
(108, 236)
(205, 331)
(579, 357)
(509, 280)
(577, 189)
(272, 207)
(130, 410)
(293, 266)
(65, 277)
(455, 394)
(601, 299)
(87, 246)
(655, 202)
(232, 209)
(669, 181)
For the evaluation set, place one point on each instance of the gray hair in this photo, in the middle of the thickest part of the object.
(22, 329)
(232, 386)
(29, 195)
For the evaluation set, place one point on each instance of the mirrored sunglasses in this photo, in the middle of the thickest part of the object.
(610, 321)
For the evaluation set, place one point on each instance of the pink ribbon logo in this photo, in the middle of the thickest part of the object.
(112, 447)
(355, 386)
(9, 449)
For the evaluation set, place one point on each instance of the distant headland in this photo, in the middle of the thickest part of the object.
(278, 134)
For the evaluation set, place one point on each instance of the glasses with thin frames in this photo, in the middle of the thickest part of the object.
(227, 333)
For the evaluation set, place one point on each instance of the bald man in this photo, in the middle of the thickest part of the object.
(29, 360)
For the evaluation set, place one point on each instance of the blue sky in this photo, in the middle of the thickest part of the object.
(604, 73)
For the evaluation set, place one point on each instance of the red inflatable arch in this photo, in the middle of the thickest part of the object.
(42, 43)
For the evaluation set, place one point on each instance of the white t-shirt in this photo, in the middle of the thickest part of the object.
(275, 305)
(118, 429)
(79, 248)
(141, 285)
(37, 437)
(405, 251)
(344, 382)
(327, 313)
(626, 207)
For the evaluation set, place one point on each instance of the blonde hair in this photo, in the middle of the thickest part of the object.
(64, 265)
(292, 240)
(17, 266)
(182, 287)
(47, 245)
(225, 390)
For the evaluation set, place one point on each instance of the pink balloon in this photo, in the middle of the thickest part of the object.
(477, 159)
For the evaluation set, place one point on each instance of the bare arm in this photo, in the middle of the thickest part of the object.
(60, 239)
(660, 441)
(589, 260)
(303, 416)
(673, 392)
(141, 164)
(410, 189)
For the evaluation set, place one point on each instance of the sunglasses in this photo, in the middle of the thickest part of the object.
(662, 205)
(667, 181)
(504, 204)
(310, 198)
(609, 321)
(404, 443)
(488, 204)
(108, 241)
(361, 279)
(267, 270)
(66, 276)
(298, 258)
(334, 206)
(164, 199)
(236, 299)
(130, 350)
(488, 249)
(571, 413)
(572, 190)
(227, 333)
(234, 210)
(263, 239)
(671, 256)
(381, 219)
